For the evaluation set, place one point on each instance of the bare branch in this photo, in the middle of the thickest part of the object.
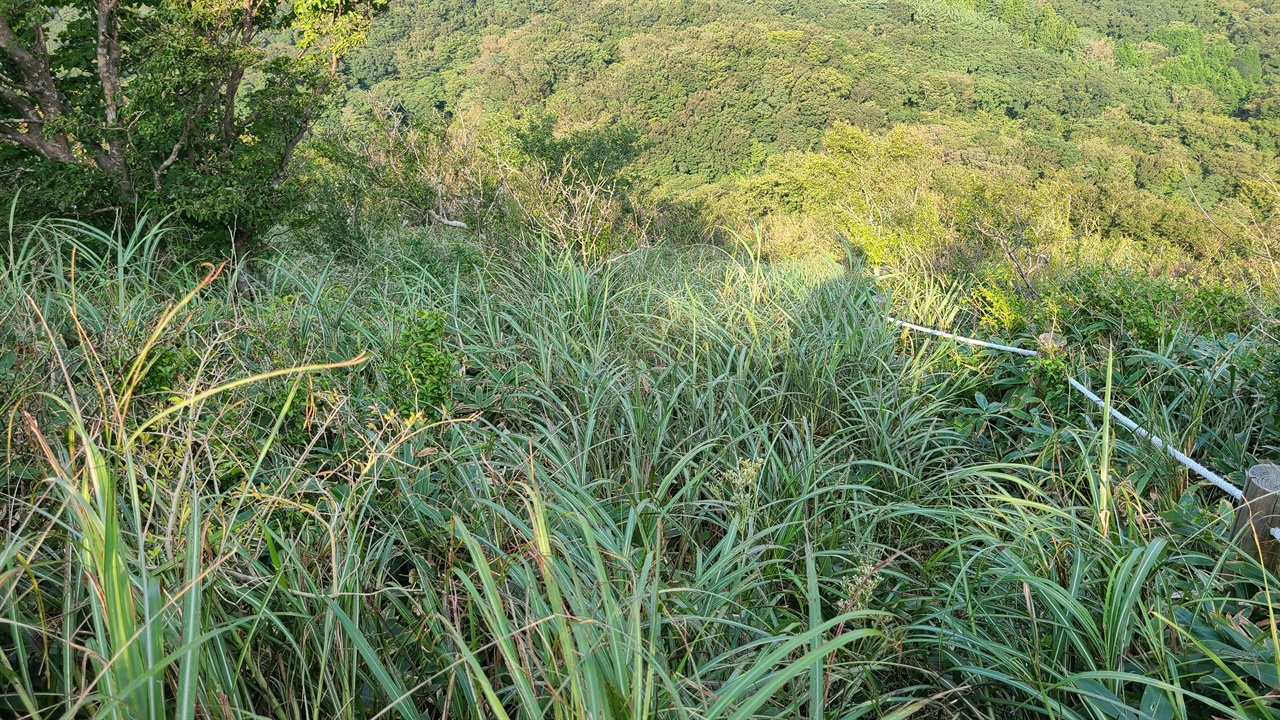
(1000, 239)
(446, 221)
(22, 105)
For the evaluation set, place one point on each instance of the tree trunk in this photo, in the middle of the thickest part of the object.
(240, 262)
(112, 98)
(42, 104)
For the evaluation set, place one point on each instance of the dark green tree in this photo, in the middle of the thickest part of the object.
(190, 106)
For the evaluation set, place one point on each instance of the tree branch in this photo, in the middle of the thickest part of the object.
(1000, 238)
(158, 173)
(41, 104)
(9, 43)
(21, 104)
(446, 221)
(303, 127)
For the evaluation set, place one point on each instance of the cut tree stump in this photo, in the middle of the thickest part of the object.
(1258, 513)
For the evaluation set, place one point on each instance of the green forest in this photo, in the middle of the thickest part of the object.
(591, 359)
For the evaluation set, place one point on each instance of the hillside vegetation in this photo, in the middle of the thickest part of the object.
(1115, 119)
(538, 360)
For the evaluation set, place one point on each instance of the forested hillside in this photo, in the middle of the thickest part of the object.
(1128, 115)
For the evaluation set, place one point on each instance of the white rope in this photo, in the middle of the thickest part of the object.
(1141, 432)
(967, 341)
(1204, 472)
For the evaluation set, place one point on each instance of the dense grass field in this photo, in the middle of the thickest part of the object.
(678, 483)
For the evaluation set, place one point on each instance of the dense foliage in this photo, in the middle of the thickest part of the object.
(1182, 93)
(1004, 144)
(178, 106)
(563, 381)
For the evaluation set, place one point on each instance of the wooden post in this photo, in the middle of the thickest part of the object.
(1258, 512)
(1051, 342)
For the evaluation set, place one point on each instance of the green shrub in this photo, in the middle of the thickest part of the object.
(424, 372)
(1149, 309)
(166, 369)
(1048, 374)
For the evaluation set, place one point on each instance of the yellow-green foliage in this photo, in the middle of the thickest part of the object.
(900, 195)
(875, 190)
(1046, 120)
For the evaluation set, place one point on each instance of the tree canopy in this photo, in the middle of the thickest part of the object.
(191, 106)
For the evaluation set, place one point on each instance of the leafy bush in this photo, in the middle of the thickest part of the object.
(424, 370)
(1150, 309)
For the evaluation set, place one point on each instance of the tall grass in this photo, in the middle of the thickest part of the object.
(678, 483)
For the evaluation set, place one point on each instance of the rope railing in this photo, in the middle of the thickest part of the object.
(1222, 483)
(1218, 481)
(965, 340)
